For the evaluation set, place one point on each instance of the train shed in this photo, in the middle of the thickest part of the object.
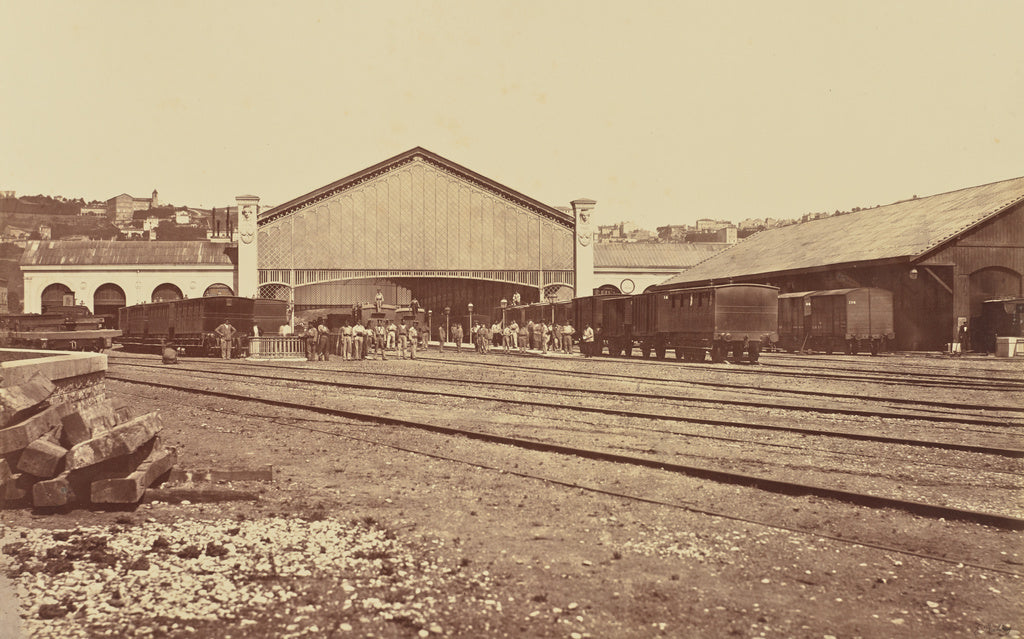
(420, 227)
(941, 256)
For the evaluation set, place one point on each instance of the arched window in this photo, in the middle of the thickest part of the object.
(218, 290)
(608, 289)
(167, 293)
(56, 295)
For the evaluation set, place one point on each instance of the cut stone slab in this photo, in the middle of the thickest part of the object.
(42, 458)
(86, 422)
(120, 440)
(199, 495)
(17, 488)
(129, 490)
(74, 486)
(17, 401)
(19, 436)
(124, 413)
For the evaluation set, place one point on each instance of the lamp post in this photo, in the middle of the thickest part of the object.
(447, 324)
(504, 303)
(430, 327)
(470, 307)
(551, 300)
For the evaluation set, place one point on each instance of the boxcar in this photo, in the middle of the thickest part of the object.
(189, 324)
(693, 322)
(848, 320)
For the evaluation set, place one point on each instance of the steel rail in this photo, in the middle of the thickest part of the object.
(721, 476)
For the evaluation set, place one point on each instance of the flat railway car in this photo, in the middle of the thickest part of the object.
(189, 324)
(849, 320)
(720, 321)
(64, 328)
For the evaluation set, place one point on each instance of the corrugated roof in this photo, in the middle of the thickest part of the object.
(902, 230)
(109, 252)
(651, 255)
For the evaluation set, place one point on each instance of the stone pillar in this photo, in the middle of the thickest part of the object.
(583, 247)
(247, 275)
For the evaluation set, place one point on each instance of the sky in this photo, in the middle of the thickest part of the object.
(662, 112)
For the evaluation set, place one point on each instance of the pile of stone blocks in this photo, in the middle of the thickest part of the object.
(61, 449)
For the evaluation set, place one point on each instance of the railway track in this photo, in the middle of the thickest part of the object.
(761, 482)
(631, 412)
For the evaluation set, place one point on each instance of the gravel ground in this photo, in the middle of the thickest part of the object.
(411, 534)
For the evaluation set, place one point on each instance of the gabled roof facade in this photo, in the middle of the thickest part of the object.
(905, 230)
(111, 253)
(416, 153)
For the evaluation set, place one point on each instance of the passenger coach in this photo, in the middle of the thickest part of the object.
(189, 324)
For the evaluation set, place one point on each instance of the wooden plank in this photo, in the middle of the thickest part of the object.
(19, 436)
(129, 490)
(263, 473)
(42, 458)
(119, 441)
(22, 399)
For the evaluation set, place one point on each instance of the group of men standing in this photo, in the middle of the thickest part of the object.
(358, 341)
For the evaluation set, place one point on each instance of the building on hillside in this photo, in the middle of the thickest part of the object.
(121, 208)
(707, 225)
(4, 307)
(632, 267)
(941, 256)
(93, 210)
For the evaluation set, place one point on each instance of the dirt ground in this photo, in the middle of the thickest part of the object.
(428, 546)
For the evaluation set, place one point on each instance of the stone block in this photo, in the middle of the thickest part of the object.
(86, 422)
(124, 413)
(19, 436)
(17, 488)
(73, 486)
(129, 490)
(20, 400)
(42, 458)
(119, 441)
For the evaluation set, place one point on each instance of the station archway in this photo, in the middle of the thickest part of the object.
(107, 299)
(57, 295)
(166, 293)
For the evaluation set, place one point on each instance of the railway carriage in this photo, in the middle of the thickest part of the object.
(189, 324)
(849, 320)
(61, 328)
(723, 320)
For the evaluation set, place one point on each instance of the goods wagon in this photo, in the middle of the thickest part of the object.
(62, 328)
(847, 320)
(736, 319)
(999, 318)
(189, 324)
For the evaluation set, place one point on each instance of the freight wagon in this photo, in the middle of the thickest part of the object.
(61, 328)
(846, 320)
(189, 324)
(736, 320)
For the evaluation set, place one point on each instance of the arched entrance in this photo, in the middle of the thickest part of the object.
(167, 293)
(993, 282)
(56, 295)
(105, 302)
(607, 289)
(218, 290)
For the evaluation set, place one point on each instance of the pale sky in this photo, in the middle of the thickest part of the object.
(663, 112)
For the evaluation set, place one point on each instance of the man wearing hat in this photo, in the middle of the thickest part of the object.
(226, 333)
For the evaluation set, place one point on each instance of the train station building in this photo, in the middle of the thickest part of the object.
(941, 256)
(419, 226)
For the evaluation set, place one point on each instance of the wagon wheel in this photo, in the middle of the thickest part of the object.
(680, 353)
(754, 352)
(717, 354)
(645, 351)
(659, 352)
